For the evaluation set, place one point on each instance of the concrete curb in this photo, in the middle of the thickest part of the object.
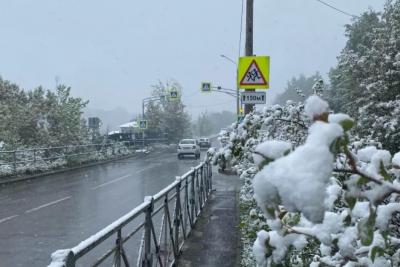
(10, 180)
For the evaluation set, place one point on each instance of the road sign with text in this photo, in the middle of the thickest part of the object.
(253, 72)
(253, 98)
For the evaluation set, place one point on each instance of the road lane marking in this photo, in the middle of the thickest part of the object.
(111, 182)
(47, 204)
(8, 218)
(120, 178)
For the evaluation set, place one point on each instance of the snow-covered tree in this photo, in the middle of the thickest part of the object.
(323, 199)
(39, 117)
(240, 143)
(298, 88)
(366, 82)
(203, 126)
(168, 115)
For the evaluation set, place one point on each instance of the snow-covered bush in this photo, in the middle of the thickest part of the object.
(31, 161)
(240, 144)
(322, 199)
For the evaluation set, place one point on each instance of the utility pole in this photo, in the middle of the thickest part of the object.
(249, 42)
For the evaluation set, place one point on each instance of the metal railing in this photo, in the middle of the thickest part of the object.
(175, 209)
(35, 159)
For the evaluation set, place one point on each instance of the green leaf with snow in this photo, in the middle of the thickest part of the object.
(265, 162)
(271, 211)
(347, 124)
(334, 247)
(383, 172)
(335, 146)
(347, 220)
(377, 251)
(362, 181)
(366, 229)
(237, 151)
(292, 219)
(350, 200)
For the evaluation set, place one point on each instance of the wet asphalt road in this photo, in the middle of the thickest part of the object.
(58, 211)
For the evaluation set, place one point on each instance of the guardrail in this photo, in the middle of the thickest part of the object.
(20, 161)
(175, 208)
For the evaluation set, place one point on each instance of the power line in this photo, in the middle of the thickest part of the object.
(206, 106)
(337, 9)
(241, 29)
(190, 95)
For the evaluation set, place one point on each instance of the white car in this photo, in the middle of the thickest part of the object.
(204, 143)
(188, 147)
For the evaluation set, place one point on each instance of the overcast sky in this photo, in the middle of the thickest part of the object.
(111, 52)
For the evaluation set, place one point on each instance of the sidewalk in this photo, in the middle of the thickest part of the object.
(215, 240)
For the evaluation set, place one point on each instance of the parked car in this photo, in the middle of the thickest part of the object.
(204, 143)
(188, 147)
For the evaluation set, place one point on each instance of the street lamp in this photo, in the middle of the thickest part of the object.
(237, 88)
(151, 99)
(229, 59)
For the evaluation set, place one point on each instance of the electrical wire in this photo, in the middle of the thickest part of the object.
(206, 106)
(337, 9)
(190, 95)
(241, 29)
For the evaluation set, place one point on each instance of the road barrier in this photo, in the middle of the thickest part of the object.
(180, 204)
(39, 159)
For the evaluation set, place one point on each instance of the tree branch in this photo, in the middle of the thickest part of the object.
(296, 122)
(356, 170)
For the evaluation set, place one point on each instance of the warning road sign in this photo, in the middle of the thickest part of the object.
(253, 72)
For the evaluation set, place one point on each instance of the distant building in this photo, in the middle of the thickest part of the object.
(130, 127)
(126, 132)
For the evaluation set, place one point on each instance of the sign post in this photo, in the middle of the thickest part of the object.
(142, 127)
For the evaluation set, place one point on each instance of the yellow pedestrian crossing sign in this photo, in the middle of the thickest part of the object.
(253, 72)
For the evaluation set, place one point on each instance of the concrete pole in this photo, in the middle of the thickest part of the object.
(249, 42)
